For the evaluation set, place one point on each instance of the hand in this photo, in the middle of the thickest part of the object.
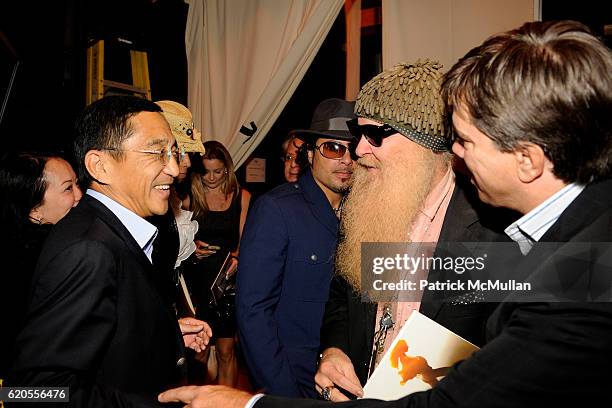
(206, 396)
(201, 251)
(231, 271)
(196, 333)
(336, 369)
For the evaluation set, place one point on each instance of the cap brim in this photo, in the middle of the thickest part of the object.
(312, 135)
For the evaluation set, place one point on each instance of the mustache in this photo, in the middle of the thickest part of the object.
(368, 162)
(344, 170)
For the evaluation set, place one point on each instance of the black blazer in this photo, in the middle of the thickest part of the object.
(349, 322)
(96, 321)
(540, 353)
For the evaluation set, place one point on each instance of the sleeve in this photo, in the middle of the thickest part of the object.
(258, 288)
(70, 323)
(533, 362)
(335, 328)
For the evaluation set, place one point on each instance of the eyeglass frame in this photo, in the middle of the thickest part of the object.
(332, 142)
(179, 154)
(357, 131)
(288, 157)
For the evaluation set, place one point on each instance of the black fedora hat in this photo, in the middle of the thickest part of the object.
(329, 121)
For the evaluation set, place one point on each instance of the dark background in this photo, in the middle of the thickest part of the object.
(49, 40)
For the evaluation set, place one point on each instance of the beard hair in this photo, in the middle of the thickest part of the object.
(403, 185)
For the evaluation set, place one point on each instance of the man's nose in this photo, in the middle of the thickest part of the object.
(363, 147)
(347, 158)
(172, 167)
(78, 194)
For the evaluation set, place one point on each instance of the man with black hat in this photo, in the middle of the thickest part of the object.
(286, 259)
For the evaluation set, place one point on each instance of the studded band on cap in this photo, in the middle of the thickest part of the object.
(407, 98)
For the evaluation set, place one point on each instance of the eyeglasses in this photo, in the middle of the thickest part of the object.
(164, 155)
(332, 150)
(288, 157)
(373, 134)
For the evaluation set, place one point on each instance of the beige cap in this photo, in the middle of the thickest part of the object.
(181, 123)
(407, 98)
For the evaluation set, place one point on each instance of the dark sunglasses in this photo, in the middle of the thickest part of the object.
(332, 150)
(373, 134)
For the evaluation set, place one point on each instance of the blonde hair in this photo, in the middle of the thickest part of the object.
(214, 151)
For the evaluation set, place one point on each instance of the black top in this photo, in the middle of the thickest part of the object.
(220, 228)
(19, 249)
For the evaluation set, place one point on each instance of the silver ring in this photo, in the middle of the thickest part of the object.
(326, 393)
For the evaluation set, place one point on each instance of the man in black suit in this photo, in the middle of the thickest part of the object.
(407, 166)
(531, 108)
(97, 321)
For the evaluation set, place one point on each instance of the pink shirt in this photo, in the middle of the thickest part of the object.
(425, 228)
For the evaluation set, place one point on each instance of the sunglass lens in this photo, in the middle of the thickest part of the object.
(373, 134)
(333, 150)
(373, 137)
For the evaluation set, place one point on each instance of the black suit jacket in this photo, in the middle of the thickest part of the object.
(96, 321)
(349, 322)
(540, 353)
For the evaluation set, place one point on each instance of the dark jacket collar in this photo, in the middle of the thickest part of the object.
(317, 200)
(117, 226)
(594, 199)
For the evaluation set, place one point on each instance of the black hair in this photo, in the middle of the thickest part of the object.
(547, 83)
(22, 187)
(105, 125)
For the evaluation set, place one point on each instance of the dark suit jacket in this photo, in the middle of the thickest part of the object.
(96, 321)
(286, 264)
(349, 322)
(555, 354)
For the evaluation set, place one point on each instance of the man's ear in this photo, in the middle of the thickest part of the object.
(98, 165)
(310, 156)
(531, 162)
(36, 214)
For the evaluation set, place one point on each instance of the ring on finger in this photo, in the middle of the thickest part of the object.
(326, 393)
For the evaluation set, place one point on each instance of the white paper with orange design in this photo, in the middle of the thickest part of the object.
(418, 358)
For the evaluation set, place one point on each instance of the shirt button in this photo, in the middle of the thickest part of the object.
(313, 257)
(296, 186)
(180, 362)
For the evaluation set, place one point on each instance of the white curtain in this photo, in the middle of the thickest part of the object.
(245, 59)
(446, 29)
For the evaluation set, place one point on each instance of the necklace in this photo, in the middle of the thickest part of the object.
(338, 209)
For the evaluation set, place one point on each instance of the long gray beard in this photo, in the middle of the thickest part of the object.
(381, 207)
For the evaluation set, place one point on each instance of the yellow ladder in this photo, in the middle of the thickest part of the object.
(97, 86)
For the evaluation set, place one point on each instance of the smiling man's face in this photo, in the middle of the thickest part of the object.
(141, 181)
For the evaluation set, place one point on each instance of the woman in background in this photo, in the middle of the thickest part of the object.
(36, 191)
(176, 230)
(220, 206)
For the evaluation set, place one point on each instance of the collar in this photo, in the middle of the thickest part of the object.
(532, 226)
(143, 231)
(317, 201)
(436, 196)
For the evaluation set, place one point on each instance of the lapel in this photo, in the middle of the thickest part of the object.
(467, 219)
(594, 200)
(110, 219)
(459, 217)
(318, 203)
(590, 204)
